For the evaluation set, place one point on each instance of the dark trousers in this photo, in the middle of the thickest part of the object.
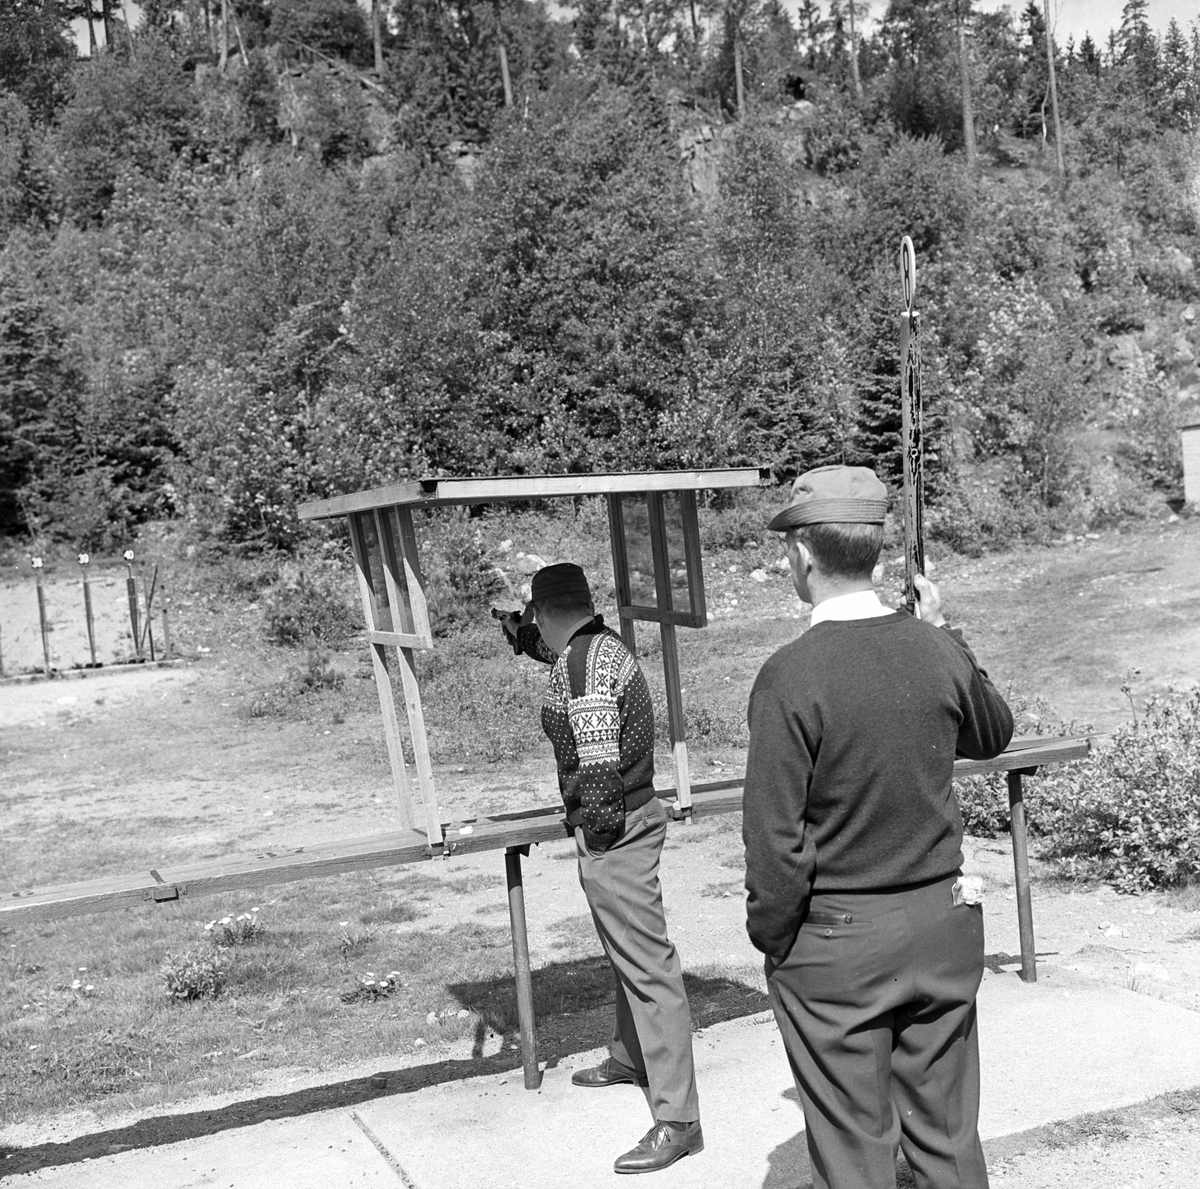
(878, 1017)
(653, 1030)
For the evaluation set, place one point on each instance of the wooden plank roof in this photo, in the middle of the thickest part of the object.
(433, 493)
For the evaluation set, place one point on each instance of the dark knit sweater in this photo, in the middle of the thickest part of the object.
(598, 716)
(854, 728)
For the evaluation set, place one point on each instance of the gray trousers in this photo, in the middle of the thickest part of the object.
(653, 1029)
(877, 1015)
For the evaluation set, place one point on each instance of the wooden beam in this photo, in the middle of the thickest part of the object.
(416, 605)
(676, 719)
(412, 610)
(680, 619)
(692, 557)
(337, 856)
(383, 680)
(435, 493)
(400, 640)
(623, 589)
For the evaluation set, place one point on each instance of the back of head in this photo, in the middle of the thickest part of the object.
(561, 589)
(843, 550)
(838, 513)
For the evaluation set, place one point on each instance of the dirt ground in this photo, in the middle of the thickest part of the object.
(177, 745)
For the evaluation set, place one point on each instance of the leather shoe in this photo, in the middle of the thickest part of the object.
(661, 1146)
(609, 1072)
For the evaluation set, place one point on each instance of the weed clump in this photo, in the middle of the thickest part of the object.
(368, 988)
(243, 929)
(196, 974)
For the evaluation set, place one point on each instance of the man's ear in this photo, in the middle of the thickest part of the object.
(806, 558)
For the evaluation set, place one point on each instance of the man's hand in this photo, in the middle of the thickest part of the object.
(929, 602)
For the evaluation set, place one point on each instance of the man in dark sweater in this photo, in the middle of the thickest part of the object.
(853, 838)
(598, 716)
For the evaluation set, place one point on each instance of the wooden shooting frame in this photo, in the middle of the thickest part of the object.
(391, 584)
(386, 561)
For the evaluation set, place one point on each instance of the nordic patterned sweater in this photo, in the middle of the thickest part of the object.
(598, 716)
(854, 728)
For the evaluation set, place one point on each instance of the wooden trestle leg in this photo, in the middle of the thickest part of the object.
(1016, 805)
(520, 943)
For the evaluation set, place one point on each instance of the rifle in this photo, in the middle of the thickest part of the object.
(910, 425)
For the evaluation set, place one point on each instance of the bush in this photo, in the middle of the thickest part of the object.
(310, 602)
(1130, 813)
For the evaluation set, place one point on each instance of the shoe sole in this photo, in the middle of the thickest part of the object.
(659, 1167)
(605, 1085)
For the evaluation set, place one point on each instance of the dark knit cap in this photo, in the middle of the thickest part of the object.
(834, 495)
(564, 578)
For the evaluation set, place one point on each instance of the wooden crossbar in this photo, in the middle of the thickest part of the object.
(444, 493)
(338, 856)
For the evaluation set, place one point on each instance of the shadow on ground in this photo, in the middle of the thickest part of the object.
(585, 1024)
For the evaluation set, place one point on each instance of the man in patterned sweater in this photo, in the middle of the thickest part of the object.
(598, 716)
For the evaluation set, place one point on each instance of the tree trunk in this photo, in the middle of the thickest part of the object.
(91, 28)
(107, 15)
(224, 59)
(854, 75)
(737, 75)
(1058, 149)
(504, 75)
(964, 66)
(377, 37)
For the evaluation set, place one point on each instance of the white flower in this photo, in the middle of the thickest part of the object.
(84, 559)
(128, 555)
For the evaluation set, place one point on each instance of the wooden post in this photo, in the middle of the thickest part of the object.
(910, 425)
(620, 559)
(1016, 805)
(41, 598)
(671, 677)
(166, 632)
(87, 610)
(131, 591)
(524, 977)
(383, 681)
(414, 612)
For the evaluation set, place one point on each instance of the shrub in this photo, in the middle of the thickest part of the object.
(461, 579)
(1130, 813)
(310, 602)
(197, 974)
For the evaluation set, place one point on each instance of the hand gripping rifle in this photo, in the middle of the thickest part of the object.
(910, 425)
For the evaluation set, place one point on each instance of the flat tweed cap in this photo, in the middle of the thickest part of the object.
(834, 495)
(561, 579)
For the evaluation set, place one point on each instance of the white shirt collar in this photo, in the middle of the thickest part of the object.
(861, 604)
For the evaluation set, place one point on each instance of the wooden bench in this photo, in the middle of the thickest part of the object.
(513, 834)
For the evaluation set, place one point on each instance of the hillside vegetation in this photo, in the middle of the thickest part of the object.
(258, 256)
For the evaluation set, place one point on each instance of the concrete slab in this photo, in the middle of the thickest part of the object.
(1055, 1049)
(1050, 1050)
(322, 1151)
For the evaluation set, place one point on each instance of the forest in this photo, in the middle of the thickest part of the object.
(258, 253)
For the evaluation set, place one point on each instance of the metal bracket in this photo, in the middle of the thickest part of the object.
(168, 891)
(443, 850)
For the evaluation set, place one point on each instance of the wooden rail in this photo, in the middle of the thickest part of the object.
(512, 833)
